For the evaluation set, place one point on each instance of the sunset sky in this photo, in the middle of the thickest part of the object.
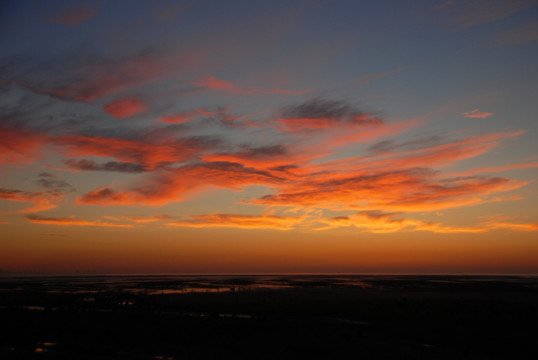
(269, 136)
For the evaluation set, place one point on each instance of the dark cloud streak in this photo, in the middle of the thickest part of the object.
(89, 165)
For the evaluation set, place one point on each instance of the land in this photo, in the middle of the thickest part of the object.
(269, 317)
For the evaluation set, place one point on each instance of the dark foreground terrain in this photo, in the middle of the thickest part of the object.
(269, 317)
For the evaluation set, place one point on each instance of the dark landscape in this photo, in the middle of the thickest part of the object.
(269, 317)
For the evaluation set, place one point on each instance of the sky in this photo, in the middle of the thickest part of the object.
(182, 137)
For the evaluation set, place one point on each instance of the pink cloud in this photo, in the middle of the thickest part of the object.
(94, 80)
(477, 114)
(19, 145)
(477, 12)
(519, 35)
(73, 15)
(305, 124)
(445, 4)
(212, 83)
(289, 92)
(124, 108)
(185, 116)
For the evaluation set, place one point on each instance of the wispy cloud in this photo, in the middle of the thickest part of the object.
(79, 78)
(377, 222)
(53, 184)
(513, 226)
(72, 221)
(477, 114)
(184, 117)
(397, 181)
(495, 169)
(321, 114)
(150, 219)
(143, 119)
(289, 92)
(72, 15)
(89, 165)
(261, 156)
(174, 185)
(240, 221)
(149, 153)
(299, 160)
(212, 83)
(445, 4)
(400, 178)
(519, 35)
(477, 12)
(410, 191)
(55, 190)
(41, 200)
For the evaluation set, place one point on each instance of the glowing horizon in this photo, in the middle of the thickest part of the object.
(198, 137)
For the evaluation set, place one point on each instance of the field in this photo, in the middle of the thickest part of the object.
(269, 317)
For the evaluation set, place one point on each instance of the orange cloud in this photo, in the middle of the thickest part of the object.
(41, 201)
(71, 221)
(396, 181)
(154, 218)
(376, 222)
(175, 184)
(477, 114)
(514, 226)
(240, 221)
(407, 190)
(149, 153)
(124, 108)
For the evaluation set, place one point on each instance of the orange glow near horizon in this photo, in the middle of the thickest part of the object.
(256, 251)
